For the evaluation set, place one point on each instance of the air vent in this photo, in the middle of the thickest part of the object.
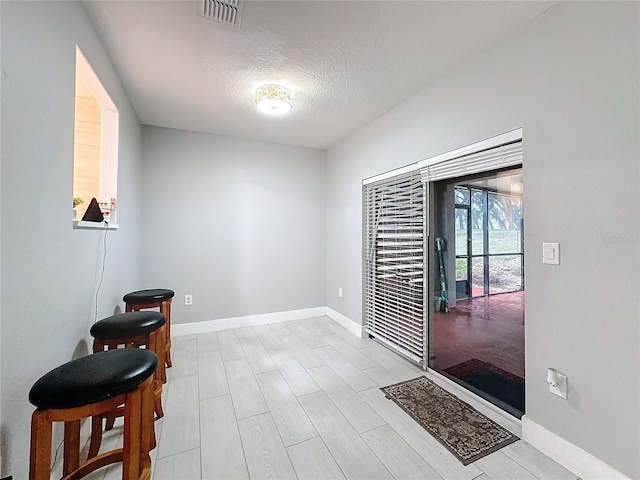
(227, 12)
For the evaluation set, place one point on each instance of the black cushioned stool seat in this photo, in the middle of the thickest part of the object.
(153, 298)
(131, 330)
(92, 379)
(89, 386)
(150, 296)
(127, 325)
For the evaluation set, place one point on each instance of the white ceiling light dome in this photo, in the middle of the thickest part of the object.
(273, 99)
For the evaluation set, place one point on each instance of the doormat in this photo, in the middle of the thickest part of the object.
(483, 377)
(464, 431)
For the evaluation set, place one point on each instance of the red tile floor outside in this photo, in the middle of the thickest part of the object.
(490, 329)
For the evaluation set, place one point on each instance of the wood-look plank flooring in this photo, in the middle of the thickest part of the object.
(301, 400)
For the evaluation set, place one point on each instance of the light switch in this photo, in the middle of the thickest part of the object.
(551, 253)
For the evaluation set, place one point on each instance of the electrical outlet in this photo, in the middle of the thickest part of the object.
(340, 292)
(557, 383)
(188, 299)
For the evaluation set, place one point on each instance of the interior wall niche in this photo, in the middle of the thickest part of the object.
(96, 140)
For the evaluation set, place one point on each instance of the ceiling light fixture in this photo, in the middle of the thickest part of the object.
(273, 99)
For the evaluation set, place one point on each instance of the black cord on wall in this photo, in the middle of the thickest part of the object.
(55, 457)
(104, 263)
(95, 319)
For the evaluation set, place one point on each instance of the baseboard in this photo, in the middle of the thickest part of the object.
(570, 456)
(353, 327)
(180, 329)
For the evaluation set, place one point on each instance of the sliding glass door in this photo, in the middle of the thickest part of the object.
(477, 341)
(443, 267)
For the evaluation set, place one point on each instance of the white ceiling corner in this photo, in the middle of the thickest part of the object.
(345, 62)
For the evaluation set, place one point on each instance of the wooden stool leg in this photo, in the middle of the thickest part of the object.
(40, 447)
(110, 422)
(96, 436)
(158, 402)
(132, 429)
(161, 341)
(71, 446)
(167, 355)
(154, 340)
(148, 433)
(165, 308)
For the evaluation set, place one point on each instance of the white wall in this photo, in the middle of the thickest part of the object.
(238, 224)
(48, 269)
(570, 78)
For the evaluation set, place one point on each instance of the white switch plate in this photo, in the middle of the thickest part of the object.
(188, 299)
(551, 253)
(340, 292)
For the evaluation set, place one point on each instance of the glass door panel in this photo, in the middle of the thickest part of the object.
(505, 233)
(478, 341)
(477, 223)
(462, 239)
(462, 269)
(462, 231)
(477, 277)
(505, 273)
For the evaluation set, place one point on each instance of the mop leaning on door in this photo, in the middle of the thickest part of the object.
(443, 299)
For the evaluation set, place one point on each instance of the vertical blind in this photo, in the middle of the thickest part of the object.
(394, 246)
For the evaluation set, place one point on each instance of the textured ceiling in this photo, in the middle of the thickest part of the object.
(346, 62)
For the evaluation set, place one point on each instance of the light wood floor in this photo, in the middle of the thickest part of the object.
(301, 400)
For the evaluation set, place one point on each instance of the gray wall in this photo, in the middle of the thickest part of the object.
(570, 79)
(49, 270)
(238, 224)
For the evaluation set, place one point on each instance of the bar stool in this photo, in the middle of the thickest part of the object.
(131, 330)
(153, 298)
(90, 386)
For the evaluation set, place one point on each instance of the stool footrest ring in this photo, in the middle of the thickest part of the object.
(102, 460)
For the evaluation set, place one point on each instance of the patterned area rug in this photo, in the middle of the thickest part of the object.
(464, 431)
